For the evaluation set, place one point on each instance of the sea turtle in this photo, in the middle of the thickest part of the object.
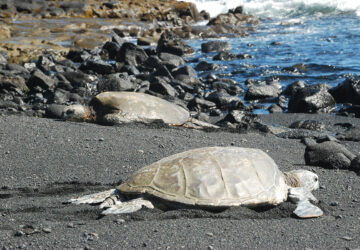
(211, 178)
(124, 107)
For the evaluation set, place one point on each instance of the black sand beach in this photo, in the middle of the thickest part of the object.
(44, 162)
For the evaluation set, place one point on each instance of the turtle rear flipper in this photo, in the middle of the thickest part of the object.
(93, 198)
(304, 209)
(127, 207)
(197, 124)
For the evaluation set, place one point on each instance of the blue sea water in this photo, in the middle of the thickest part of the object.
(321, 39)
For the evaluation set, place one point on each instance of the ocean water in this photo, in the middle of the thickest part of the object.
(315, 41)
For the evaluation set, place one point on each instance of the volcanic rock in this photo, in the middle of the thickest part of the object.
(347, 91)
(329, 154)
(312, 99)
(215, 46)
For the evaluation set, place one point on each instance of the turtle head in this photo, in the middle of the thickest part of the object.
(302, 178)
(76, 112)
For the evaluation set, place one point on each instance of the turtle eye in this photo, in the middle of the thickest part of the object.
(316, 179)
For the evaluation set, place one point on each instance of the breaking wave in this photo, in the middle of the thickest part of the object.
(282, 8)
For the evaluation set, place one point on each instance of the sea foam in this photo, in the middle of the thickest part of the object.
(282, 8)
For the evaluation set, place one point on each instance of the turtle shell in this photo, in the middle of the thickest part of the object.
(212, 176)
(119, 107)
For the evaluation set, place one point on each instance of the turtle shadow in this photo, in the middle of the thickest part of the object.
(232, 213)
(55, 189)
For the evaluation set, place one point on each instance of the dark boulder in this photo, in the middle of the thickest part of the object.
(308, 124)
(237, 10)
(161, 86)
(200, 104)
(312, 99)
(19, 69)
(291, 89)
(14, 84)
(77, 78)
(240, 119)
(171, 60)
(355, 165)
(233, 19)
(301, 134)
(98, 66)
(162, 71)
(227, 56)
(232, 88)
(171, 43)
(186, 70)
(116, 82)
(130, 69)
(262, 91)
(205, 66)
(184, 86)
(329, 155)
(224, 56)
(45, 63)
(40, 82)
(215, 46)
(78, 56)
(347, 91)
(131, 54)
(225, 101)
(274, 108)
(351, 110)
(112, 49)
(351, 134)
(151, 63)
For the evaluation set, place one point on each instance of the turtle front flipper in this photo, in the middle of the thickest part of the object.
(93, 198)
(304, 208)
(127, 207)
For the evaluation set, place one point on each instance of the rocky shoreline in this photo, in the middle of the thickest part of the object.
(47, 86)
(46, 161)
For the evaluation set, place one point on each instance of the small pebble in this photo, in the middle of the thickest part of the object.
(210, 234)
(70, 225)
(19, 233)
(334, 204)
(47, 230)
(101, 139)
(348, 238)
(119, 221)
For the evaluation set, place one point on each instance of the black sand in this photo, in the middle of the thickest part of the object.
(45, 162)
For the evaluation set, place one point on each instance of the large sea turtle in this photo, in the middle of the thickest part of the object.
(211, 177)
(125, 107)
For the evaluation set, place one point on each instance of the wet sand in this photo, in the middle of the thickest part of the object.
(44, 162)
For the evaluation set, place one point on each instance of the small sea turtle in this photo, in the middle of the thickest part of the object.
(211, 177)
(125, 107)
